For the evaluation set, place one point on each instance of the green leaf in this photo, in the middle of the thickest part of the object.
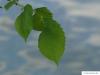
(9, 4)
(38, 22)
(24, 22)
(52, 41)
(44, 12)
(39, 16)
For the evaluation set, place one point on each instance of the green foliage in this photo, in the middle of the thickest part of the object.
(44, 12)
(51, 40)
(39, 18)
(38, 22)
(24, 22)
(10, 4)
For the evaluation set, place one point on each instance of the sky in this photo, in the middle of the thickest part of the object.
(80, 21)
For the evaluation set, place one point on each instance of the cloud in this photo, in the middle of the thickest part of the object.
(6, 25)
(30, 68)
(34, 3)
(74, 8)
(33, 38)
(91, 10)
(75, 65)
(79, 29)
(4, 38)
(37, 62)
(94, 40)
(96, 60)
(5, 21)
(15, 73)
(2, 65)
(32, 65)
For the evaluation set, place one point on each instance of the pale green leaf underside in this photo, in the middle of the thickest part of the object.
(24, 22)
(52, 41)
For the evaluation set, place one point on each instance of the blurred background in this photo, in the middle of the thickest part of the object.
(80, 20)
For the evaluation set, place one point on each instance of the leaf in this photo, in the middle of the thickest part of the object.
(24, 22)
(38, 22)
(43, 11)
(39, 16)
(52, 41)
(9, 4)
